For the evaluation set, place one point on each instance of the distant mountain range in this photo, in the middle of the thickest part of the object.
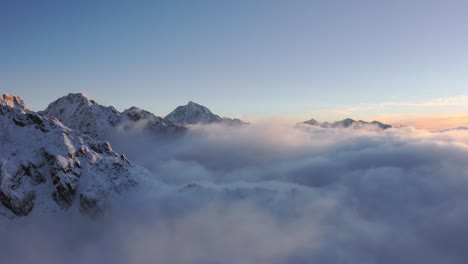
(55, 159)
(76, 111)
(348, 123)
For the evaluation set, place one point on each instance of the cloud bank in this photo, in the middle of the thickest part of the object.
(271, 193)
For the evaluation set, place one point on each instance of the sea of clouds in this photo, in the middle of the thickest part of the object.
(270, 193)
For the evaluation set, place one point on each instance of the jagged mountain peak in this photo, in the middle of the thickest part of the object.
(194, 113)
(135, 109)
(77, 111)
(76, 95)
(197, 107)
(13, 101)
(135, 113)
(311, 122)
(78, 98)
(75, 100)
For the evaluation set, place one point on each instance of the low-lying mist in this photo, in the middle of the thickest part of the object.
(270, 193)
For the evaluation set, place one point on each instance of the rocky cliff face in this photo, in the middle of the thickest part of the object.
(45, 165)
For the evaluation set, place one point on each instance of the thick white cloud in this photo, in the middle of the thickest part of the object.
(272, 193)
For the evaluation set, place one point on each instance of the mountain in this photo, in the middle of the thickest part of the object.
(312, 122)
(78, 112)
(12, 101)
(151, 123)
(462, 128)
(193, 113)
(46, 166)
(348, 123)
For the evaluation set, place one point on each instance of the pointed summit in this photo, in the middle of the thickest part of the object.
(312, 122)
(78, 98)
(192, 113)
(197, 107)
(134, 113)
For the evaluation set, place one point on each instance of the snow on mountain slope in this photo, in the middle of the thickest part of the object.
(349, 123)
(47, 166)
(78, 112)
(193, 113)
(150, 122)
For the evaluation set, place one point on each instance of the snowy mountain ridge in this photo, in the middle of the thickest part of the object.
(76, 111)
(348, 123)
(46, 166)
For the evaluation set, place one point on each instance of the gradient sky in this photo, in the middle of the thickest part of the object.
(250, 59)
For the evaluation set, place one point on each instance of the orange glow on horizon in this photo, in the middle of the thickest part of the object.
(431, 123)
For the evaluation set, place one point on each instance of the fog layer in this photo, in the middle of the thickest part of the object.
(270, 193)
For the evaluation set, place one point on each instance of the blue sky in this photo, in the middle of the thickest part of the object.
(251, 59)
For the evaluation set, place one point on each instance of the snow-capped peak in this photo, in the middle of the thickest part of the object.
(80, 97)
(77, 111)
(193, 113)
(136, 114)
(77, 99)
(197, 107)
(13, 101)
